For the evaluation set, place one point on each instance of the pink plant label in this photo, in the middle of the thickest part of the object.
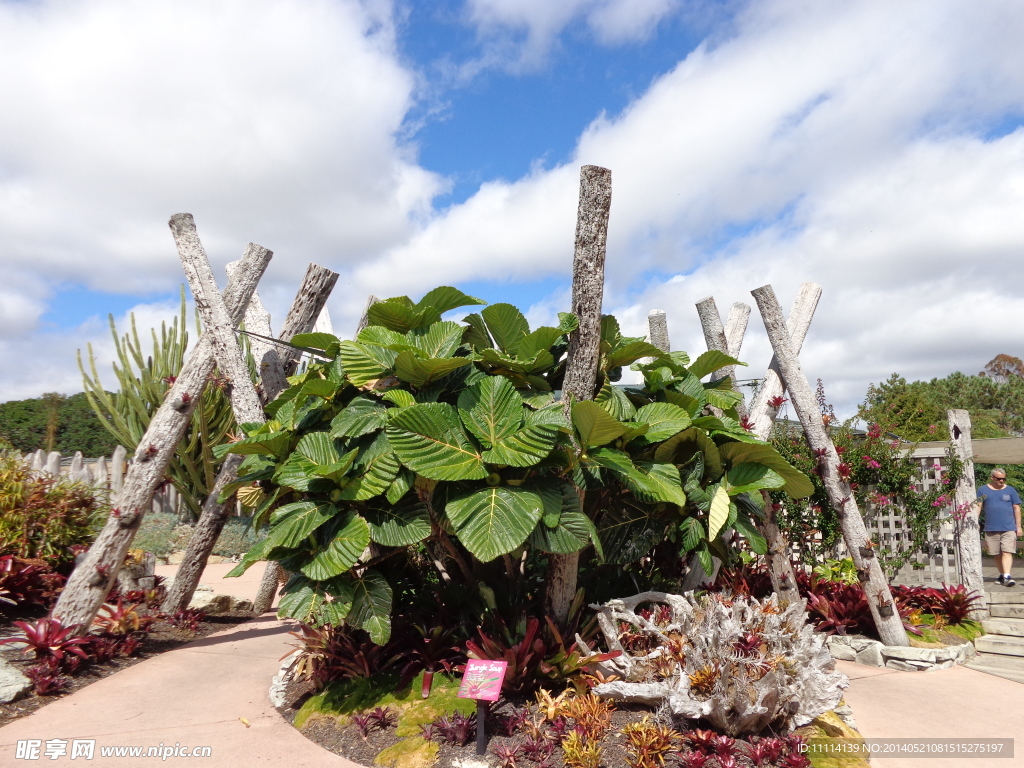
(482, 679)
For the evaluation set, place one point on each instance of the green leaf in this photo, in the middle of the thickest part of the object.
(316, 602)
(319, 447)
(719, 512)
(704, 555)
(711, 361)
(321, 341)
(746, 529)
(401, 485)
(445, 298)
(320, 388)
(572, 530)
(399, 526)
(379, 336)
(363, 415)
(494, 521)
(365, 362)
(567, 322)
(649, 481)
(491, 409)
(428, 439)
(291, 524)
(399, 397)
(400, 314)
(540, 340)
(594, 424)
(437, 340)
(419, 373)
(476, 334)
(371, 606)
(507, 326)
(750, 476)
(628, 534)
(680, 448)
(343, 551)
(614, 400)
(797, 484)
(272, 444)
(722, 398)
(665, 420)
(378, 474)
(301, 474)
(525, 448)
(630, 353)
(692, 531)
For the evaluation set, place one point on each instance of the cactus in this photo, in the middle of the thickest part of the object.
(739, 663)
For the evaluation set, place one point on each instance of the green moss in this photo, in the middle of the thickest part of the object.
(824, 729)
(348, 696)
(408, 753)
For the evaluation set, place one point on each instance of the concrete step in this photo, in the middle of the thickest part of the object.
(1013, 663)
(1007, 674)
(1005, 596)
(1004, 626)
(1007, 646)
(1007, 611)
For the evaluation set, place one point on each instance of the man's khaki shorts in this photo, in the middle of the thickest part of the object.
(1001, 541)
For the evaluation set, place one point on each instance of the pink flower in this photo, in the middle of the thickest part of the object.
(880, 500)
(871, 462)
(940, 502)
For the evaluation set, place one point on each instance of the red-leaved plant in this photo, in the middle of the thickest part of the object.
(48, 638)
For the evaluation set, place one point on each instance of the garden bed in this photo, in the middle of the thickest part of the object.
(162, 637)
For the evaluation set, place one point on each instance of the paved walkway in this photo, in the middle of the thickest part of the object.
(197, 695)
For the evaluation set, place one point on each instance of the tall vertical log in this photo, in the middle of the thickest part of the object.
(968, 526)
(91, 580)
(215, 513)
(876, 588)
(736, 327)
(583, 356)
(657, 330)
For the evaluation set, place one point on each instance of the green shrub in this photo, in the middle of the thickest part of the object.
(161, 534)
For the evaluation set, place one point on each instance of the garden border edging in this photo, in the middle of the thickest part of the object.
(864, 650)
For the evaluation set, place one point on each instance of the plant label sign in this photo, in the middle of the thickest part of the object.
(482, 679)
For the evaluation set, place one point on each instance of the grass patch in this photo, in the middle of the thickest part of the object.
(344, 697)
(408, 753)
(948, 634)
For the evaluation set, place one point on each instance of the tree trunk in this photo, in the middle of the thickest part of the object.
(657, 330)
(968, 527)
(90, 582)
(584, 353)
(876, 588)
(316, 288)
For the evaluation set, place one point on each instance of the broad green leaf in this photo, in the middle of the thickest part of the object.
(363, 415)
(594, 424)
(365, 362)
(399, 397)
(746, 529)
(273, 444)
(399, 526)
(371, 606)
(493, 521)
(630, 353)
(320, 388)
(428, 439)
(610, 332)
(401, 485)
(400, 314)
(491, 409)
(538, 363)
(568, 531)
(527, 447)
(445, 298)
(750, 476)
(711, 361)
(649, 481)
(568, 322)
(550, 492)
(704, 555)
(476, 334)
(319, 341)
(507, 326)
(692, 531)
(538, 401)
(540, 340)
(797, 484)
(377, 476)
(665, 420)
(342, 552)
(614, 400)
(319, 447)
(409, 368)
(316, 602)
(301, 474)
(719, 512)
(291, 524)
(628, 533)
(722, 398)
(679, 449)
(437, 340)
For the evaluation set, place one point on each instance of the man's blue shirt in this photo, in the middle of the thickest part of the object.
(998, 507)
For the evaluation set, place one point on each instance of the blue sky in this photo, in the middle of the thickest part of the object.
(873, 148)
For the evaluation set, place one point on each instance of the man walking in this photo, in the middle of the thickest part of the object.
(1001, 505)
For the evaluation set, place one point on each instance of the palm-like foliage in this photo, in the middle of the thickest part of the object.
(424, 429)
(143, 382)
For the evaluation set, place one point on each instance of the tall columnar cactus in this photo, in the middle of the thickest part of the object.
(739, 663)
(144, 381)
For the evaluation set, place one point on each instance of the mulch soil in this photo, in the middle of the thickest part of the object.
(162, 637)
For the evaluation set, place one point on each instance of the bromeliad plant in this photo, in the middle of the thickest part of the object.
(447, 442)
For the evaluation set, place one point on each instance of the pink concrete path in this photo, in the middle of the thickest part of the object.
(947, 703)
(243, 587)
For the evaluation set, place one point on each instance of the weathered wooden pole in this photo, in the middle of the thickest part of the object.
(316, 289)
(657, 330)
(584, 352)
(869, 571)
(967, 511)
(91, 580)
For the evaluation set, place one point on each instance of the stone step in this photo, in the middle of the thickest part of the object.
(1007, 674)
(1013, 663)
(1006, 596)
(1007, 611)
(1007, 646)
(1004, 626)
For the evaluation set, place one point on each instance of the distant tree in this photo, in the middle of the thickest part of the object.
(1003, 367)
(71, 423)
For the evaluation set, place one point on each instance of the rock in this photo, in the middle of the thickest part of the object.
(204, 588)
(211, 603)
(900, 665)
(930, 655)
(842, 652)
(175, 558)
(240, 606)
(863, 643)
(871, 656)
(279, 682)
(12, 683)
